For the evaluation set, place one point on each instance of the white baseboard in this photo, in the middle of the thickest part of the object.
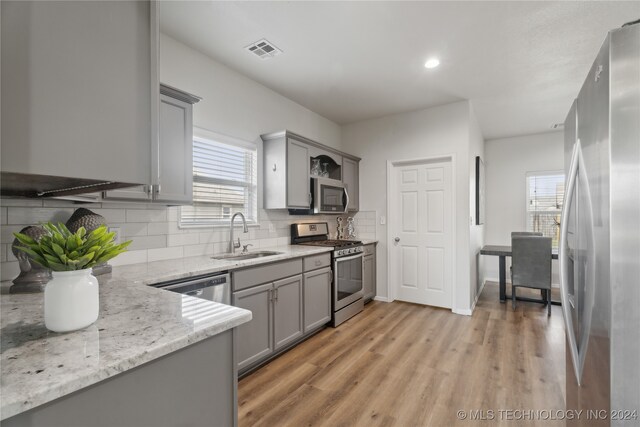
(383, 299)
(473, 307)
(463, 311)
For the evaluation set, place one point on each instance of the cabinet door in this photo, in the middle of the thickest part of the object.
(317, 298)
(350, 176)
(287, 311)
(369, 276)
(255, 340)
(76, 89)
(175, 151)
(298, 195)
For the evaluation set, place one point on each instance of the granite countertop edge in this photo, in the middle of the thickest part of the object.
(36, 390)
(62, 389)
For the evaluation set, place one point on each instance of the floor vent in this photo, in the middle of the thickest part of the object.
(263, 49)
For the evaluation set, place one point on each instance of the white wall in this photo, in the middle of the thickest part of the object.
(507, 161)
(476, 232)
(235, 105)
(436, 131)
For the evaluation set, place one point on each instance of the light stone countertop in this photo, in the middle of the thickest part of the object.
(137, 324)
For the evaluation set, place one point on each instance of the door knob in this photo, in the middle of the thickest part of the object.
(397, 239)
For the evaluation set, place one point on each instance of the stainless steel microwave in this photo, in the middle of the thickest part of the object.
(328, 196)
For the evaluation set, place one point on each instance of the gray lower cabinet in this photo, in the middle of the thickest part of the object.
(369, 272)
(255, 340)
(317, 298)
(192, 387)
(287, 311)
(277, 319)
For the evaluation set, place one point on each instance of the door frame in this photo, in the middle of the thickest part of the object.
(391, 213)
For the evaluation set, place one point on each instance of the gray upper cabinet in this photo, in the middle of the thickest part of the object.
(351, 177)
(255, 341)
(317, 298)
(77, 98)
(172, 181)
(369, 272)
(175, 176)
(298, 194)
(286, 173)
(287, 311)
(287, 164)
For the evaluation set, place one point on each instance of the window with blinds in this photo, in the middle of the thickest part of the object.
(545, 193)
(224, 182)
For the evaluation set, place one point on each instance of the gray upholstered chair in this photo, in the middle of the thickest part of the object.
(531, 265)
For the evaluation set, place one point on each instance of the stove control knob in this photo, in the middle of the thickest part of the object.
(340, 253)
(352, 251)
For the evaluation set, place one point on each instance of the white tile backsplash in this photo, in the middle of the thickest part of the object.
(9, 270)
(147, 242)
(154, 229)
(165, 253)
(182, 239)
(30, 215)
(147, 215)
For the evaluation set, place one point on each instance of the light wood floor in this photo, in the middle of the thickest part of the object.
(401, 364)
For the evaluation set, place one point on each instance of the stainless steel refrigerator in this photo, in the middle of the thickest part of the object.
(600, 238)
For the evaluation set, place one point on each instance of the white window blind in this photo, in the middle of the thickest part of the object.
(545, 193)
(224, 182)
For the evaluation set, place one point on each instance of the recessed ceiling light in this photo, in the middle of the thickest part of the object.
(432, 63)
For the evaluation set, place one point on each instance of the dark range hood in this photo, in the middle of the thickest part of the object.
(34, 186)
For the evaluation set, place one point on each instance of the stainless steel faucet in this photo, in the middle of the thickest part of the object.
(233, 245)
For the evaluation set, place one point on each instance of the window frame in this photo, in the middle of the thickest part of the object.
(226, 139)
(527, 212)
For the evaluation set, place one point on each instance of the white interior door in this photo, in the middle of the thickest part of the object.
(422, 237)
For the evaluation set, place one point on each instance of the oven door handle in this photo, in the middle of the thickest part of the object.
(349, 258)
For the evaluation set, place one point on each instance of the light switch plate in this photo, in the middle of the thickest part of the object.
(383, 220)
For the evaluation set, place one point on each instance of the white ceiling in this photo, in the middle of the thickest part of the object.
(520, 63)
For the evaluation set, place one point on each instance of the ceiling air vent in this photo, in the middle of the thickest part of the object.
(263, 49)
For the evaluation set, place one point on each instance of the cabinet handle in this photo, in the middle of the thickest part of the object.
(310, 199)
(276, 292)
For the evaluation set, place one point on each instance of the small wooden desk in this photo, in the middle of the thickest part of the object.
(502, 252)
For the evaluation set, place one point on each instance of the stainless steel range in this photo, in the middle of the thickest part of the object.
(347, 268)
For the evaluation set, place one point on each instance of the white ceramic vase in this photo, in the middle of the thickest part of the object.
(71, 300)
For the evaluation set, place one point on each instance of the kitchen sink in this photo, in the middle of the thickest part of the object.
(249, 255)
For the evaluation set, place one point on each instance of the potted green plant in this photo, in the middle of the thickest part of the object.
(71, 299)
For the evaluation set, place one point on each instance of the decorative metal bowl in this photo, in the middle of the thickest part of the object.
(83, 217)
(33, 276)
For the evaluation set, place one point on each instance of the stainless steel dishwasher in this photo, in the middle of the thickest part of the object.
(213, 287)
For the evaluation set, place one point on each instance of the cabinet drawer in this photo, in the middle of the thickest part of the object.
(252, 276)
(314, 262)
(369, 249)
